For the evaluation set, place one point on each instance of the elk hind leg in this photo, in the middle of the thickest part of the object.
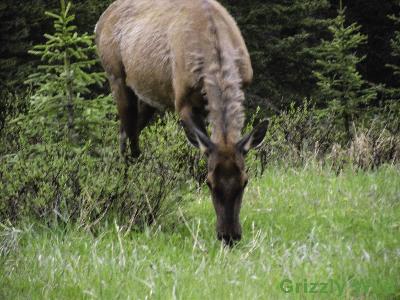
(146, 113)
(127, 106)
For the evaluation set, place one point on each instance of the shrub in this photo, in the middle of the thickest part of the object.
(59, 183)
(55, 181)
(303, 133)
(295, 135)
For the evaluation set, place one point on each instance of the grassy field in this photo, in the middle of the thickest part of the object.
(308, 233)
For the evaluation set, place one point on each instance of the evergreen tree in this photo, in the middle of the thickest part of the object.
(395, 45)
(341, 89)
(372, 16)
(64, 78)
(391, 107)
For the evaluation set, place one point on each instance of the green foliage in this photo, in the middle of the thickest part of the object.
(342, 91)
(64, 79)
(56, 182)
(11, 105)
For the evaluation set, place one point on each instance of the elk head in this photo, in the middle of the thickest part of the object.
(226, 176)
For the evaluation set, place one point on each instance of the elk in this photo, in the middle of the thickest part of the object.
(188, 56)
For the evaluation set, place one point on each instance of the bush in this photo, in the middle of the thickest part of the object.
(59, 183)
(303, 133)
(295, 135)
(49, 179)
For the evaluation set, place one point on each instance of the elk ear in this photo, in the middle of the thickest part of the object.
(254, 139)
(198, 138)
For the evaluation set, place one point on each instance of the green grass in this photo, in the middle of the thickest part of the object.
(304, 225)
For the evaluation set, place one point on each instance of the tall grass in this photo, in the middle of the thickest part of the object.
(302, 225)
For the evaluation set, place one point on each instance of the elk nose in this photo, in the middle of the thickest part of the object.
(229, 239)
